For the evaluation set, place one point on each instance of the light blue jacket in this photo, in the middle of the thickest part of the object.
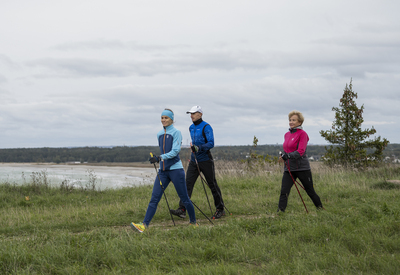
(170, 140)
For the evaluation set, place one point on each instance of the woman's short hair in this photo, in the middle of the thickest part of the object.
(299, 115)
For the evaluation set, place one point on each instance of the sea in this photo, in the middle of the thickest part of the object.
(79, 176)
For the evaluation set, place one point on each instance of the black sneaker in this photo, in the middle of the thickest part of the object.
(218, 214)
(181, 213)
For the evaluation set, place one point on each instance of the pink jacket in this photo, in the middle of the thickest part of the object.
(295, 145)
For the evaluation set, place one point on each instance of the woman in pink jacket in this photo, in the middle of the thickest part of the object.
(296, 162)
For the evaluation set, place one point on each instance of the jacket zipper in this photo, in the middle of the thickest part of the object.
(165, 132)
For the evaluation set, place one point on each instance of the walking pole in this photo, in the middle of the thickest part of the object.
(204, 187)
(162, 187)
(295, 183)
(202, 212)
(203, 180)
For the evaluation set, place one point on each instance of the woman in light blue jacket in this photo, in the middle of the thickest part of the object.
(171, 169)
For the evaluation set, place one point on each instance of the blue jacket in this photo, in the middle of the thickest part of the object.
(196, 133)
(170, 140)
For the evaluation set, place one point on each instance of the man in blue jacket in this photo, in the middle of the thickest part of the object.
(202, 141)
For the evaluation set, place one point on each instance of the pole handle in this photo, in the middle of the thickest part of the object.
(151, 155)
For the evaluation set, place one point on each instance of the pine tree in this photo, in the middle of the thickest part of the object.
(349, 138)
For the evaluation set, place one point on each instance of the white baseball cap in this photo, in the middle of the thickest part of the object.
(195, 109)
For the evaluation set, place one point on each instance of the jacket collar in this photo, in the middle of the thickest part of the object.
(197, 122)
(168, 127)
(294, 130)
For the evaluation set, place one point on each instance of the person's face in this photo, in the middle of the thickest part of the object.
(166, 121)
(294, 121)
(195, 116)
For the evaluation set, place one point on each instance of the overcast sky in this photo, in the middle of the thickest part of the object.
(97, 73)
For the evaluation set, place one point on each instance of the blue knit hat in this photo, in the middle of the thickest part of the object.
(168, 113)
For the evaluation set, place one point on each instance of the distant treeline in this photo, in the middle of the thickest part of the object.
(141, 153)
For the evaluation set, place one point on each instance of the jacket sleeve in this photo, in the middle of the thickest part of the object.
(294, 155)
(176, 146)
(302, 146)
(208, 131)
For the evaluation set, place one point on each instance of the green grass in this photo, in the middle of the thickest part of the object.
(70, 231)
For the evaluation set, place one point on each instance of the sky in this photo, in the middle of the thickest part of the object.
(99, 73)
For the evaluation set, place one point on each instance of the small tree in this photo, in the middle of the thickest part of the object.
(346, 133)
(256, 162)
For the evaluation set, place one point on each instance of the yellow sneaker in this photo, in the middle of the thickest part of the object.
(194, 225)
(138, 226)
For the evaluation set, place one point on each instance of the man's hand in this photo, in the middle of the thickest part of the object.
(194, 148)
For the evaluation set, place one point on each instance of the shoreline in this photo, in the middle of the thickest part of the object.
(107, 176)
(106, 164)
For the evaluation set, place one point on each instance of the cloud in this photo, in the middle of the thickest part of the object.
(108, 44)
(347, 56)
(7, 62)
(172, 64)
(379, 122)
(3, 79)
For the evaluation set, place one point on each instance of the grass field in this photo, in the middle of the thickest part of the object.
(75, 231)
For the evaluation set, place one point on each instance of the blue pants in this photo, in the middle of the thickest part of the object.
(178, 179)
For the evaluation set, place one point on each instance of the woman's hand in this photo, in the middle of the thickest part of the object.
(285, 156)
(154, 159)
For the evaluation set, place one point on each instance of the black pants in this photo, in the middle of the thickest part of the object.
(207, 168)
(306, 180)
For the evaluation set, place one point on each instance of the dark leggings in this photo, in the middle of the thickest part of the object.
(207, 168)
(306, 180)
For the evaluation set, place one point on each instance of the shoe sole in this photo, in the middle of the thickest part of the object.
(135, 228)
(180, 216)
(216, 218)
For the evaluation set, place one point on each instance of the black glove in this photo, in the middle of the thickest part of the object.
(194, 148)
(285, 156)
(154, 159)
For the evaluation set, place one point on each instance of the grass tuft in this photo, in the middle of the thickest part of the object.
(384, 185)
